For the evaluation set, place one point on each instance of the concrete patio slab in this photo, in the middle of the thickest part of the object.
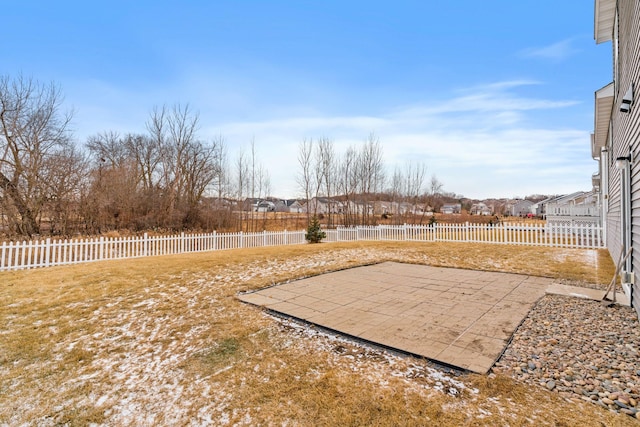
(461, 318)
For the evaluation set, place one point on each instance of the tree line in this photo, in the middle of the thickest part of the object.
(167, 178)
(357, 180)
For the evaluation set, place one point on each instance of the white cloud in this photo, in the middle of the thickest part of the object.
(556, 52)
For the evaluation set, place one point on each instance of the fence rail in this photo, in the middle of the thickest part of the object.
(52, 252)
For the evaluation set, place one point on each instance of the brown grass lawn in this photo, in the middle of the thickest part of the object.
(164, 341)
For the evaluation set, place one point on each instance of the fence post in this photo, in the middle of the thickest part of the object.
(601, 236)
(264, 238)
(241, 243)
(101, 248)
(47, 252)
(181, 242)
(285, 237)
(20, 252)
(404, 231)
(12, 255)
(145, 245)
(546, 234)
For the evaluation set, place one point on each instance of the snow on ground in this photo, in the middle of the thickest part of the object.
(376, 364)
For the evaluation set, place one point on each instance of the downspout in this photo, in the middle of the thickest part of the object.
(624, 165)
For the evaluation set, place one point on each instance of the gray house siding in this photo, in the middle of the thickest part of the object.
(628, 124)
(624, 138)
(614, 233)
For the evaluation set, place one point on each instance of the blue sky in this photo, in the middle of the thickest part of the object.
(496, 98)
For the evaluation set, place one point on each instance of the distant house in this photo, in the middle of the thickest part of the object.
(324, 205)
(219, 203)
(480, 209)
(519, 207)
(250, 204)
(451, 208)
(579, 208)
(405, 208)
(539, 209)
(359, 208)
(265, 206)
(384, 208)
(289, 205)
(281, 206)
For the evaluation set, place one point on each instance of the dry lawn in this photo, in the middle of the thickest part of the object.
(164, 341)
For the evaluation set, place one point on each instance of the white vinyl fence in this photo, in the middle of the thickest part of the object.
(585, 236)
(51, 252)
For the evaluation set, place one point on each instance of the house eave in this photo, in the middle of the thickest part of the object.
(603, 107)
(595, 152)
(605, 12)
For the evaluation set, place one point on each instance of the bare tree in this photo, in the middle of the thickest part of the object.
(123, 192)
(220, 213)
(371, 174)
(222, 183)
(200, 168)
(305, 176)
(434, 195)
(396, 193)
(326, 167)
(241, 186)
(109, 148)
(32, 128)
(260, 183)
(174, 130)
(264, 190)
(415, 175)
(145, 151)
(348, 184)
(253, 183)
(373, 165)
(435, 188)
(187, 165)
(67, 171)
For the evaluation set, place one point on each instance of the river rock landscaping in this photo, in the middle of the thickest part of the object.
(580, 349)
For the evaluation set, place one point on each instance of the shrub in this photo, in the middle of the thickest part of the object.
(314, 233)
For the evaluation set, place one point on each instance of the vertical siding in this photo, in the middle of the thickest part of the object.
(626, 126)
(614, 242)
(614, 232)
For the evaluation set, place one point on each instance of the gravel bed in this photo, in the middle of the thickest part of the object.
(581, 349)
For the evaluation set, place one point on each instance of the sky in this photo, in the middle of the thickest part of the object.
(496, 97)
